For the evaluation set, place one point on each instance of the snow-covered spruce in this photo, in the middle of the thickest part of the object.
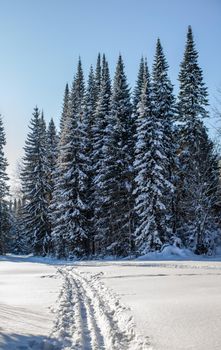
(197, 187)
(70, 227)
(4, 191)
(116, 178)
(99, 130)
(153, 156)
(35, 186)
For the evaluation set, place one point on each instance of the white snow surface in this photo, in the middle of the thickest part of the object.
(146, 304)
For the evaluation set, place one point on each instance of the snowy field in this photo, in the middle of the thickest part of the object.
(112, 305)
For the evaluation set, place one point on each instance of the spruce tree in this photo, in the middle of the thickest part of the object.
(142, 72)
(116, 177)
(87, 151)
(65, 108)
(70, 228)
(141, 79)
(98, 76)
(163, 151)
(198, 182)
(18, 242)
(35, 186)
(52, 155)
(152, 158)
(4, 191)
(146, 169)
(101, 116)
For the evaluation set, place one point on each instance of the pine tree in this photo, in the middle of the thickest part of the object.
(70, 235)
(141, 80)
(98, 76)
(116, 179)
(146, 170)
(142, 72)
(87, 150)
(99, 133)
(4, 191)
(198, 181)
(152, 157)
(52, 155)
(65, 109)
(34, 185)
(12, 234)
(153, 166)
(16, 243)
(193, 95)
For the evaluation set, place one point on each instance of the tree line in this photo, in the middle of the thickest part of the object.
(125, 175)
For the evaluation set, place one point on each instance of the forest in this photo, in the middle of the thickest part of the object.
(125, 174)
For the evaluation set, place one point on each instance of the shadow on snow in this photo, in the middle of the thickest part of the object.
(28, 342)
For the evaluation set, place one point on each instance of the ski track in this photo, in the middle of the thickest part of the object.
(90, 317)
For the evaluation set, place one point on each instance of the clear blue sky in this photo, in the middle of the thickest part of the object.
(40, 41)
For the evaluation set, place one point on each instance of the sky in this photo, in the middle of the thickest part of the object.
(41, 40)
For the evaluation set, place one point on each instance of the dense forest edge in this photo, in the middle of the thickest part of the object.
(125, 175)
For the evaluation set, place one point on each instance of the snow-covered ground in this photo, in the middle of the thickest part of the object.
(27, 293)
(111, 305)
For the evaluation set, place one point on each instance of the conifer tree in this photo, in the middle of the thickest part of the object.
(101, 116)
(18, 242)
(163, 113)
(142, 72)
(116, 180)
(198, 165)
(70, 231)
(12, 231)
(151, 164)
(52, 152)
(35, 185)
(141, 79)
(4, 191)
(87, 150)
(52, 155)
(145, 166)
(98, 75)
(65, 108)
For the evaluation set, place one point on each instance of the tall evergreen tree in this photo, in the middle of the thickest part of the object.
(52, 155)
(116, 178)
(152, 158)
(87, 150)
(141, 80)
(65, 108)
(18, 242)
(147, 183)
(70, 232)
(101, 116)
(163, 152)
(35, 185)
(198, 166)
(4, 191)
(98, 76)
(142, 72)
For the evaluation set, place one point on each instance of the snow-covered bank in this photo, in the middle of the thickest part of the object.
(111, 305)
(177, 304)
(27, 292)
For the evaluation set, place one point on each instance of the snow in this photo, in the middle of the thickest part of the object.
(168, 252)
(113, 305)
(176, 305)
(27, 292)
